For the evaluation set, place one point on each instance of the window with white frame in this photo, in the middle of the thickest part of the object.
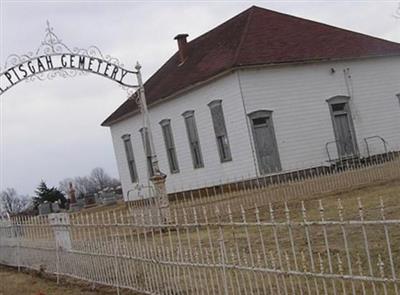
(221, 135)
(193, 137)
(169, 145)
(147, 150)
(129, 157)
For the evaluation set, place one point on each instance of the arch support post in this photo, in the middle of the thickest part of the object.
(159, 178)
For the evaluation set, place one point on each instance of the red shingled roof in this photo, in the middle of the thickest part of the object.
(257, 36)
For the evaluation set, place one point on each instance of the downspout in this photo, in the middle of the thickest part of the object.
(248, 125)
(350, 91)
(349, 84)
(356, 118)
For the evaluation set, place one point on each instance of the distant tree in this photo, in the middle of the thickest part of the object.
(48, 194)
(85, 185)
(12, 203)
(82, 185)
(64, 185)
(101, 179)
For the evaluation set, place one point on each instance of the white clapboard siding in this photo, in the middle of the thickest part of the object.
(242, 165)
(297, 96)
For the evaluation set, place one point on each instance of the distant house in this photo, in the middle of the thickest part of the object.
(262, 93)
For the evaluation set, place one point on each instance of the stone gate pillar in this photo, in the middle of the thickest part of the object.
(60, 223)
(162, 201)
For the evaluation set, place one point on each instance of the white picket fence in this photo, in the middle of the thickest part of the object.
(254, 239)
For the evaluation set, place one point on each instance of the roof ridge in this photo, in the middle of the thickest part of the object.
(293, 16)
(244, 32)
(248, 10)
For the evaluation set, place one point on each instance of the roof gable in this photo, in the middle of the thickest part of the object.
(257, 36)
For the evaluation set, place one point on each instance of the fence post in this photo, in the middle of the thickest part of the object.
(223, 251)
(115, 244)
(17, 233)
(60, 223)
(57, 263)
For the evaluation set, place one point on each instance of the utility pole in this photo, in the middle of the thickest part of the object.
(158, 179)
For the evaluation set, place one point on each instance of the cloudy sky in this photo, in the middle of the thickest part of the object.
(51, 129)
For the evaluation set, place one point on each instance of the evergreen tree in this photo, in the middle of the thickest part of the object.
(49, 194)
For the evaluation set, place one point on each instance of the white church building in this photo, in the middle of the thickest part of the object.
(262, 93)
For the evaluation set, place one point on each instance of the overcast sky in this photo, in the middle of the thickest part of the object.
(51, 129)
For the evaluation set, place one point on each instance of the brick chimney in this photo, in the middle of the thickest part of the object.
(182, 46)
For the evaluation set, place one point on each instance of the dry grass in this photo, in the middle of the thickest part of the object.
(25, 282)
(94, 230)
(189, 243)
(243, 242)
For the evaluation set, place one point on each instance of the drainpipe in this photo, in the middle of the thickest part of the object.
(353, 109)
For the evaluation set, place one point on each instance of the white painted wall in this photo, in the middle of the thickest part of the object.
(242, 165)
(297, 96)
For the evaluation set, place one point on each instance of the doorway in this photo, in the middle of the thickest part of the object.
(265, 144)
(343, 126)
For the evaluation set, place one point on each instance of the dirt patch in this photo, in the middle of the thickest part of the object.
(28, 282)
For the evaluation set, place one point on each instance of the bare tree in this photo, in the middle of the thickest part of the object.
(12, 203)
(84, 186)
(96, 181)
(100, 178)
(64, 185)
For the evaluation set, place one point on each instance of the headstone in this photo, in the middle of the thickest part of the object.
(97, 199)
(55, 207)
(90, 201)
(108, 198)
(44, 208)
(74, 207)
(80, 203)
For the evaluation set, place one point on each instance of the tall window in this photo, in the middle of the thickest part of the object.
(193, 137)
(220, 130)
(147, 150)
(130, 158)
(169, 145)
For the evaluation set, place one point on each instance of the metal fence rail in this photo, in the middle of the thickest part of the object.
(287, 186)
(252, 236)
(282, 248)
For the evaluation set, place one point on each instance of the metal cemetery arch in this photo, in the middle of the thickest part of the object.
(53, 58)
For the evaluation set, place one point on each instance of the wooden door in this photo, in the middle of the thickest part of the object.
(265, 144)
